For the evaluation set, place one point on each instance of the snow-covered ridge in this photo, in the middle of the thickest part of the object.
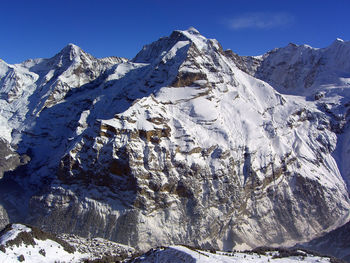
(22, 243)
(12, 233)
(321, 75)
(25, 243)
(183, 144)
(301, 69)
(29, 87)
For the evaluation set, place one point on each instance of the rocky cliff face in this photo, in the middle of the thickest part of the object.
(182, 144)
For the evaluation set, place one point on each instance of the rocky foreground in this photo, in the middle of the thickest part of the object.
(23, 243)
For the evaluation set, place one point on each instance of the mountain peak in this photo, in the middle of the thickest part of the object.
(71, 45)
(68, 54)
(190, 34)
(192, 30)
(156, 49)
(178, 38)
(339, 40)
(71, 49)
(339, 44)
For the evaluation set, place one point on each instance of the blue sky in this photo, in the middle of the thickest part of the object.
(38, 28)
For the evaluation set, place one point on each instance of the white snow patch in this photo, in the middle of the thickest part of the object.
(12, 234)
(54, 252)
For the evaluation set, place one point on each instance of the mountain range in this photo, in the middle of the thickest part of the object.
(186, 143)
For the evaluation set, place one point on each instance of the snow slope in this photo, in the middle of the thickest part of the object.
(29, 244)
(30, 247)
(320, 75)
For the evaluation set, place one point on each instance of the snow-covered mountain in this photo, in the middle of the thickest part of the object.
(184, 144)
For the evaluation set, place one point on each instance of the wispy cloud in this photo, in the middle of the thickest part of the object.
(261, 20)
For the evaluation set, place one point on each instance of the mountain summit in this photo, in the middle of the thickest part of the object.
(184, 144)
